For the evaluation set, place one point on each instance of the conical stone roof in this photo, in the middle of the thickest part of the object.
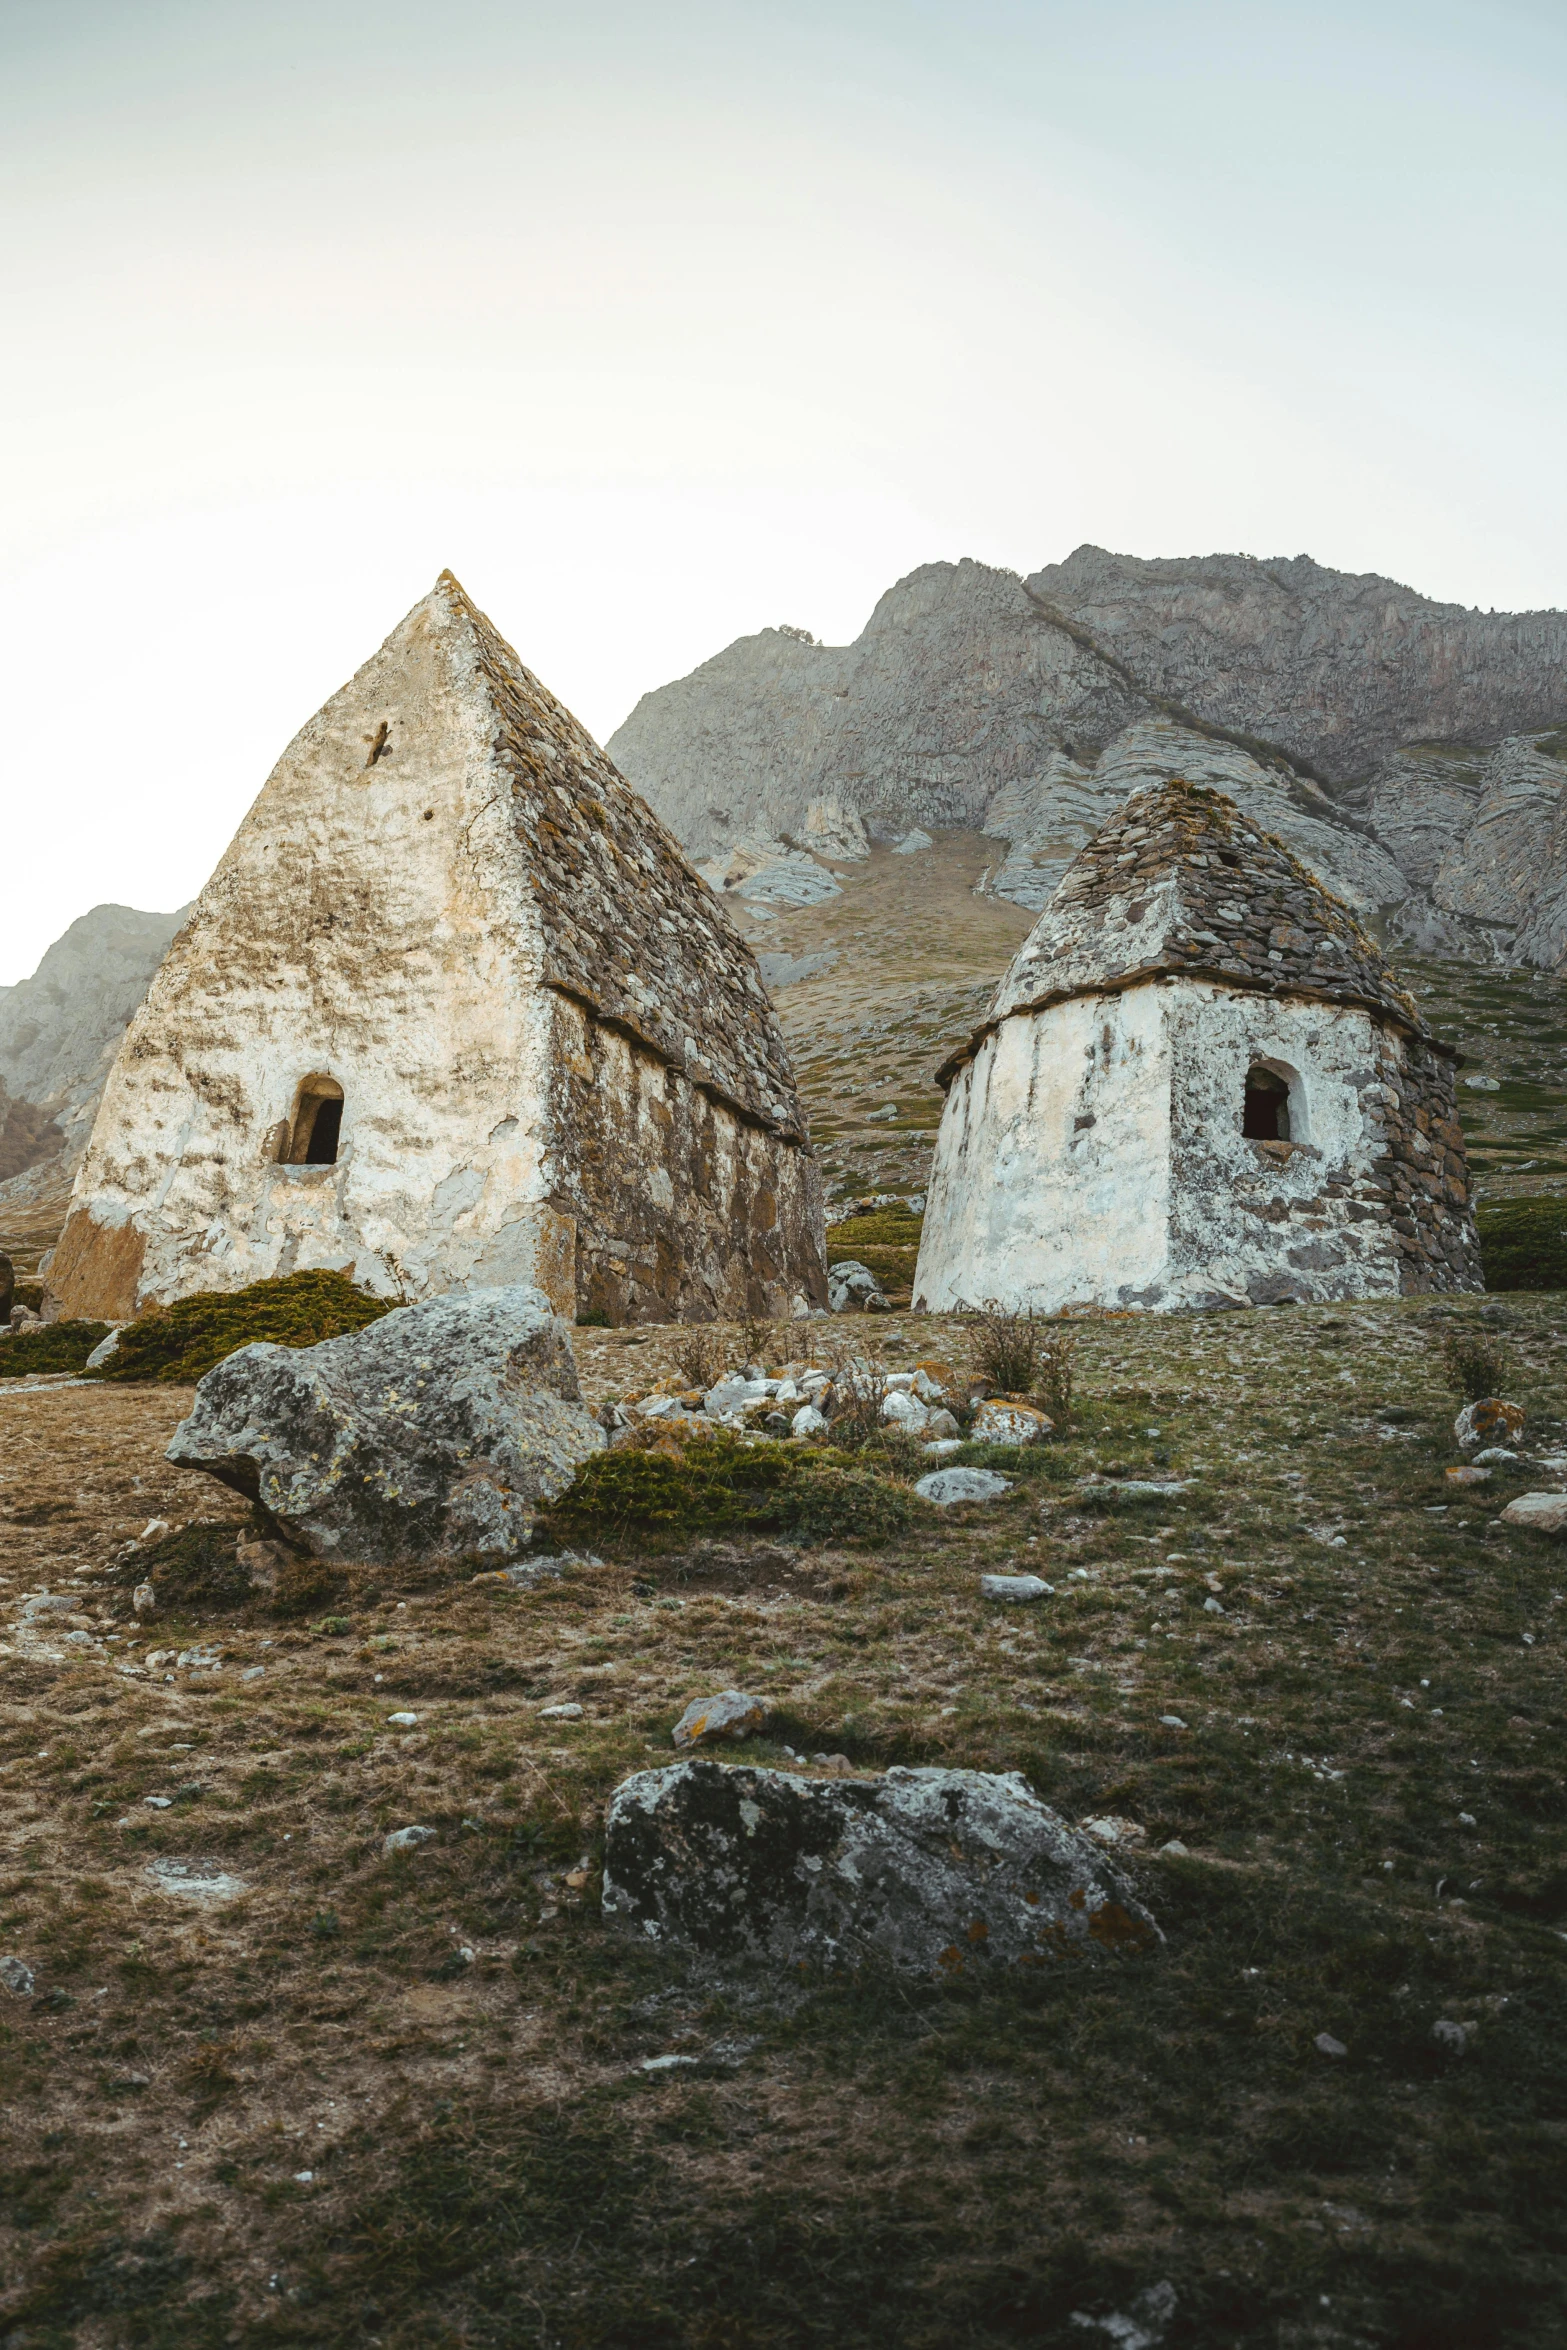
(1180, 883)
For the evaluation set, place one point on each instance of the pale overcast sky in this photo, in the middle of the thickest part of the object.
(663, 323)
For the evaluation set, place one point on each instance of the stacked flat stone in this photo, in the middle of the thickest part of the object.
(1180, 882)
(1179, 885)
(630, 929)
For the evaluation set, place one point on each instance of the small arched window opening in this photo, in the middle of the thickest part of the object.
(1266, 1116)
(317, 1124)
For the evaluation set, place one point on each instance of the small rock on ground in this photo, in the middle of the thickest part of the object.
(710, 1721)
(946, 1486)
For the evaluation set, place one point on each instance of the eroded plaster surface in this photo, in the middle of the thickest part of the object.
(1092, 1149)
(447, 902)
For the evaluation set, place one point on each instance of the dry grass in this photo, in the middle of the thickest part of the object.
(490, 2165)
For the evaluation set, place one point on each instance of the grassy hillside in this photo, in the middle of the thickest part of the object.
(402, 2100)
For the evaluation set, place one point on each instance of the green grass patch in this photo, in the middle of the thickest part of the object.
(59, 1346)
(1523, 1243)
(722, 1482)
(180, 1343)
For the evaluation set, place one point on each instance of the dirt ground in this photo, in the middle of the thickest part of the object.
(341, 2096)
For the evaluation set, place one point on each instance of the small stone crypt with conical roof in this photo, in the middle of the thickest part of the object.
(1200, 1084)
(452, 1011)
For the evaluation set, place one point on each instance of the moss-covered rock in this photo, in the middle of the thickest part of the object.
(184, 1341)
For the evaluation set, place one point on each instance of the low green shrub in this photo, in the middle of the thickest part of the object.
(1475, 1365)
(1523, 1243)
(183, 1341)
(195, 1568)
(58, 1346)
(721, 1482)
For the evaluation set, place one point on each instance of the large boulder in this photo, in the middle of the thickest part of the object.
(433, 1434)
(929, 1872)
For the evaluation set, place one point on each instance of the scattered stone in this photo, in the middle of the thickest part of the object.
(1541, 1513)
(912, 843)
(941, 1448)
(17, 1976)
(666, 2064)
(407, 1839)
(1112, 1829)
(946, 1487)
(853, 1287)
(1490, 1421)
(1465, 1475)
(1326, 2045)
(1175, 1850)
(1453, 2037)
(1006, 1420)
(566, 1712)
(1497, 1453)
(104, 1352)
(1015, 1587)
(807, 1421)
(1139, 1488)
(158, 1802)
(196, 1880)
(1172, 1722)
(522, 1573)
(431, 1435)
(1142, 2325)
(930, 1872)
(900, 1409)
(729, 1716)
(1213, 1607)
(253, 1672)
(402, 1721)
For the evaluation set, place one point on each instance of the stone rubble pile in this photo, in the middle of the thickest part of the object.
(938, 1406)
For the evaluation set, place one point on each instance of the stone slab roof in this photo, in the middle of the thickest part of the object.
(629, 929)
(1180, 883)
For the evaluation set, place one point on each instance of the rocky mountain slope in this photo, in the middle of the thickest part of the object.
(1411, 752)
(59, 1033)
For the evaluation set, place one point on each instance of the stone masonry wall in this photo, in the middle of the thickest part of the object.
(674, 1207)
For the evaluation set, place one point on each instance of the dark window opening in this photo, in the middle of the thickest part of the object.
(318, 1124)
(1266, 1116)
(325, 1126)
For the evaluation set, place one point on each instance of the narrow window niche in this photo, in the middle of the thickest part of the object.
(317, 1124)
(1265, 1115)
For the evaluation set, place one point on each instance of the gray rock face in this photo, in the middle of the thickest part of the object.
(1336, 667)
(433, 1434)
(60, 1029)
(930, 1872)
(1032, 708)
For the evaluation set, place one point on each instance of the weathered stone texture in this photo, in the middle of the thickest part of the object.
(1092, 1150)
(1340, 712)
(934, 1873)
(432, 1435)
(446, 903)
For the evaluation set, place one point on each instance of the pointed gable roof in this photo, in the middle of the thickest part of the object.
(629, 929)
(1179, 883)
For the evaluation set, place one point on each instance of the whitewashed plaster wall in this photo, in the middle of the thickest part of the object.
(372, 923)
(1052, 1170)
(1092, 1154)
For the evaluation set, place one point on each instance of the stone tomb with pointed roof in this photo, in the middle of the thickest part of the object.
(452, 1011)
(1200, 1084)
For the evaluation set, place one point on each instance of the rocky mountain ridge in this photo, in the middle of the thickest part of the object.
(1411, 752)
